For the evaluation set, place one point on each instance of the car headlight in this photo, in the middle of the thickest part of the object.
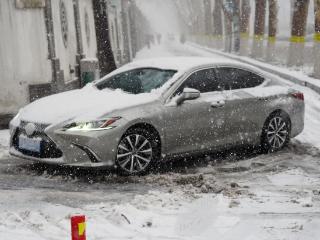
(97, 125)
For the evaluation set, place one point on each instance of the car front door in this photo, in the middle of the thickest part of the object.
(196, 125)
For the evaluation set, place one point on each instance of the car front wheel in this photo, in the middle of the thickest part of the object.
(137, 152)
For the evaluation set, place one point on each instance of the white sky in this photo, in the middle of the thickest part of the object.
(161, 14)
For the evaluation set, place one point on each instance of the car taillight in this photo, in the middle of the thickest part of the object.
(298, 95)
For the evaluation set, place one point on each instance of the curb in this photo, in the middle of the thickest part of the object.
(267, 69)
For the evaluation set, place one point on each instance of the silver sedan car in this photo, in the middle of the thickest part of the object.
(152, 110)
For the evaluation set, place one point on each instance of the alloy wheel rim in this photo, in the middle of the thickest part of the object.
(277, 133)
(134, 153)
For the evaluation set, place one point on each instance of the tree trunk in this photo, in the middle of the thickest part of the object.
(208, 22)
(208, 16)
(244, 27)
(273, 21)
(317, 18)
(236, 25)
(259, 25)
(105, 54)
(217, 24)
(297, 40)
(227, 31)
(317, 39)
(198, 25)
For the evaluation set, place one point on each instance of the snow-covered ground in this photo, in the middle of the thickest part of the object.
(238, 194)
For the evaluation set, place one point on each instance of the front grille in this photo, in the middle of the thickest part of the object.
(48, 149)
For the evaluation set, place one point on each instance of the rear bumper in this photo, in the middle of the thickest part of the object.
(297, 119)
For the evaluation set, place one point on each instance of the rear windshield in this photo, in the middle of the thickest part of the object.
(137, 81)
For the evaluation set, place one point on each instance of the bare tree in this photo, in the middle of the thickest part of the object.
(297, 40)
(272, 29)
(244, 26)
(317, 39)
(259, 25)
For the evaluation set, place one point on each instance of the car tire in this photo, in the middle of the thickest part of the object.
(138, 152)
(276, 132)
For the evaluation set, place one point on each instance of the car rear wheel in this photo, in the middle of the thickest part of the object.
(276, 133)
(137, 152)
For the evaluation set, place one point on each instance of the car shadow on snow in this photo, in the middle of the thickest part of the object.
(177, 164)
(186, 165)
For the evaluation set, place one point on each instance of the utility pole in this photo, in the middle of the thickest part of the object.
(317, 39)
(217, 24)
(259, 25)
(244, 27)
(298, 30)
(272, 31)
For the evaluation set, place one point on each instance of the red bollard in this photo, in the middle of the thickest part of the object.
(78, 227)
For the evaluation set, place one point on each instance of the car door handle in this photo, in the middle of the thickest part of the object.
(217, 104)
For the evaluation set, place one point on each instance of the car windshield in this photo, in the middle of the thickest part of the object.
(137, 81)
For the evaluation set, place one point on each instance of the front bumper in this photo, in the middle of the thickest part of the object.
(59, 161)
(79, 149)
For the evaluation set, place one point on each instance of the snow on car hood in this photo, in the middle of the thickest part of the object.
(84, 104)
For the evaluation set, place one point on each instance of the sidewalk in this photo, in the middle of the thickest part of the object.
(297, 77)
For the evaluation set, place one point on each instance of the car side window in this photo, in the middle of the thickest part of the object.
(234, 78)
(203, 80)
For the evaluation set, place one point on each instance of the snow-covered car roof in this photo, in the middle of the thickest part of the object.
(180, 64)
(177, 63)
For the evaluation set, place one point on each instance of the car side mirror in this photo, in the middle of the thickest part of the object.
(188, 94)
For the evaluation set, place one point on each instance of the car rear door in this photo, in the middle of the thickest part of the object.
(243, 111)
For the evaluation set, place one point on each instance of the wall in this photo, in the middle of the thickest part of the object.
(116, 33)
(65, 36)
(23, 54)
(87, 29)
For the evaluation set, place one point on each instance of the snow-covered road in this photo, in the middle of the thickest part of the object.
(238, 194)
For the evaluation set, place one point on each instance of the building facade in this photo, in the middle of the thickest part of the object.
(42, 43)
